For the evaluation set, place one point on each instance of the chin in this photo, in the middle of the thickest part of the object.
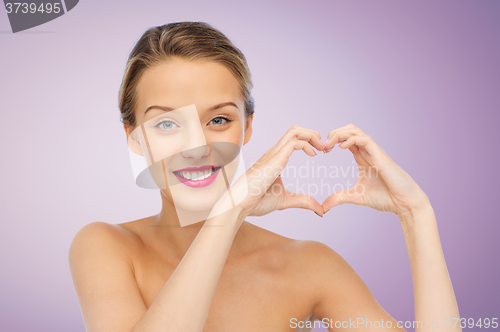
(195, 197)
(187, 205)
(198, 199)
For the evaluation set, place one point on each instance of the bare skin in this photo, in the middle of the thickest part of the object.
(153, 275)
(262, 268)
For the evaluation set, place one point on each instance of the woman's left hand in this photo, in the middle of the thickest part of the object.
(381, 184)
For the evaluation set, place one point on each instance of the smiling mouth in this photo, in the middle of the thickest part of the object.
(197, 175)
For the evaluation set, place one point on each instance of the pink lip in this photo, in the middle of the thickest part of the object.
(198, 183)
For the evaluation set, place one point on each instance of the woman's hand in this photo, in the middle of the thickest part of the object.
(381, 184)
(266, 192)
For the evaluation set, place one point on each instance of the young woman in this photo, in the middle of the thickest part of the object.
(223, 273)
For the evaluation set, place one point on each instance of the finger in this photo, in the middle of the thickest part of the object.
(349, 126)
(376, 154)
(360, 160)
(342, 197)
(277, 162)
(301, 201)
(360, 141)
(316, 133)
(340, 135)
(292, 145)
(296, 132)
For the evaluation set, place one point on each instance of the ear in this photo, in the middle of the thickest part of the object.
(132, 139)
(248, 129)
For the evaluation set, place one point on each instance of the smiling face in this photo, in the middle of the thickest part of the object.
(190, 127)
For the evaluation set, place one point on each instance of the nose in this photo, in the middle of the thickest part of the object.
(195, 146)
(197, 153)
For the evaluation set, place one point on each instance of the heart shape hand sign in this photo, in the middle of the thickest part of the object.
(381, 183)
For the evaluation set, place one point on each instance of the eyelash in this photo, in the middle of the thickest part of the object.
(157, 125)
(228, 120)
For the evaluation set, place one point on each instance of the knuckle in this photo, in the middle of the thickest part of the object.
(300, 144)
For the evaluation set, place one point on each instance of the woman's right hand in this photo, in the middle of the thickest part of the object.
(265, 190)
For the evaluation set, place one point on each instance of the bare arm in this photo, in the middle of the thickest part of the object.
(344, 297)
(183, 303)
(103, 275)
(384, 186)
(434, 296)
(344, 301)
(110, 298)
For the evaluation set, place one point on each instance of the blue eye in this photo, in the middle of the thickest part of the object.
(166, 125)
(219, 121)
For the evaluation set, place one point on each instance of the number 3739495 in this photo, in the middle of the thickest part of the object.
(471, 323)
(31, 8)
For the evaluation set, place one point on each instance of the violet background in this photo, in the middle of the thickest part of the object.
(422, 78)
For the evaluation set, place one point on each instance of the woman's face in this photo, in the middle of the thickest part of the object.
(190, 127)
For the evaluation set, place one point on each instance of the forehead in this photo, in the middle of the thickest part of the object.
(180, 82)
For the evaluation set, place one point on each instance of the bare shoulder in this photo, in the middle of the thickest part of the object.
(312, 257)
(99, 231)
(317, 254)
(319, 262)
(101, 238)
(326, 269)
(103, 277)
(311, 270)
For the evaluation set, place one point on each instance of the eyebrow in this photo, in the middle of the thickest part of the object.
(168, 109)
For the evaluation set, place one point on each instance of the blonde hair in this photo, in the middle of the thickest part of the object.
(187, 40)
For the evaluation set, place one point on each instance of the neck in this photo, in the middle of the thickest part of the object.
(176, 239)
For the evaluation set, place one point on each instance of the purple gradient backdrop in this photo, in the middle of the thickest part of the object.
(423, 79)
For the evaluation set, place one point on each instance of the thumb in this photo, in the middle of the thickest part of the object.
(293, 200)
(342, 197)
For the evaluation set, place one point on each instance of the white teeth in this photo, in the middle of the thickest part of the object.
(196, 176)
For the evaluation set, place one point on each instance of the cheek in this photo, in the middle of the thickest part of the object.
(159, 175)
(234, 135)
(168, 146)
